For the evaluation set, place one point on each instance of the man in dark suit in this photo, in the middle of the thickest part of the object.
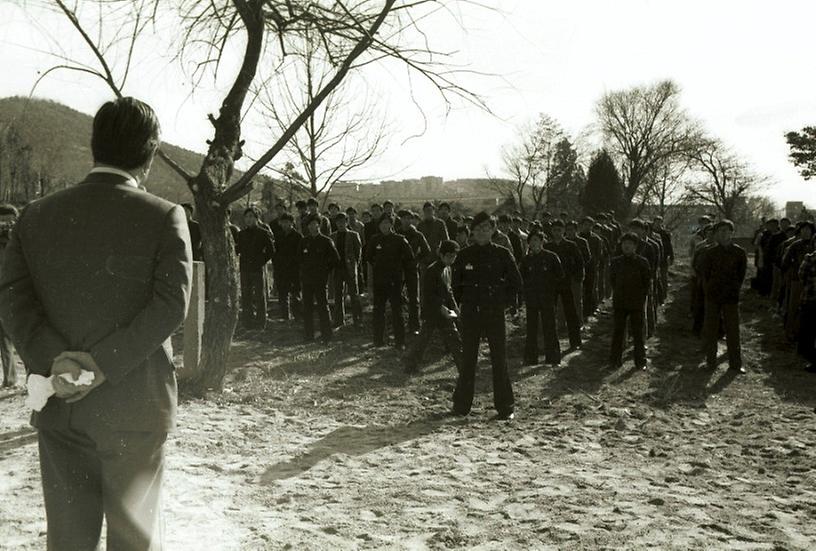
(98, 275)
(350, 248)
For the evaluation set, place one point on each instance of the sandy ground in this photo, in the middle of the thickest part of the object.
(315, 447)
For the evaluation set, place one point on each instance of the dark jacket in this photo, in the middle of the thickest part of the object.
(195, 240)
(597, 247)
(668, 248)
(583, 248)
(419, 245)
(256, 247)
(391, 257)
(571, 260)
(451, 226)
(435, 232)
(436, 284)
(485, 277)
(723, 271)
(630, 277)
(541, 274)
(105, 268)
(287, 252)
(517, 243)
(317, 257)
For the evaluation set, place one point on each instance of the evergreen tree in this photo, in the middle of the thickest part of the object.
(567, 178)
(604, 188)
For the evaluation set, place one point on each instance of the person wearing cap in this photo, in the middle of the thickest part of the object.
(794, 256)
(631, 275)
(350, 248)
(439, 310)
(256, 247)
(485, 281)
(393, 264)
(598, 256)
(665, 237)
(445, 215)
(311, 209)
(571, 234)
(647, 249)
(285, 265)
(573, 264)
(317, 258)
(541, 273)
(722, 270)
(433, 228)
(422, 257)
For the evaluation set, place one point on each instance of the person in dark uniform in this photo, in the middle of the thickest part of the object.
(434, 229)
(485, 280)
(256, 247)
(8, 217)
(668, 254)
(195, 232)
(439, 310)
(393, 263)
(350, 250)
(647, 249)
(422, 257)
(541, 273)
(631, 278)
(573, 264)
(323, 222)
(445, 215)
(571, 234)
(300, 218)
(596, 248)
(317, 257)
(287, 277)
(723, 269)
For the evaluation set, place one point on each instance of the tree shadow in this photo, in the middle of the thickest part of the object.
(353, 441)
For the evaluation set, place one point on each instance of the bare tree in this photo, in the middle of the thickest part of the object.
(725, 181)
(644, 128)
(342, 135)
(351, 36)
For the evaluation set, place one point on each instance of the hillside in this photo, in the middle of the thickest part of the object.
(60, 139)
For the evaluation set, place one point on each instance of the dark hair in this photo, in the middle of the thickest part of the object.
(557, 223)
(311, 201)
(335, 205)
(125, 134)
(366, 213)
(448, 246)
(286, 216)
(351, 210)
(481, 218)
(188, 207)
(388, 203)
(630, 236)
(375, 206)
(637, 223)
(725, 222)
(802, 225)
(785, 219)
(444, 205)
(300, 204)
(404, 212)
(8, 209)
(428, 205)
(571, 224)
(463, 229)
(340, 215)
(385, 216)
(535, 233)
(254, 211)
(772, 221)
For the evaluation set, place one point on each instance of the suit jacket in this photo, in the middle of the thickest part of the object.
(353, 251)
(105, 268)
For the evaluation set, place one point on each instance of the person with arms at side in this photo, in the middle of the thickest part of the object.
(445, 215)
(256, 247)
(311, 212)
(722, 269)
(573, 265)
(439, 310)
(97, 278)
(433, 228)
(422, 257)
(317, 257)
(285, 266)
(806, 342)
(485, 279)
(667, 260)
(348, 245)
(571, 234)
(541, 273)
(631, 278)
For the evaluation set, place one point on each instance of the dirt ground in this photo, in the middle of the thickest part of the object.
(332, 447)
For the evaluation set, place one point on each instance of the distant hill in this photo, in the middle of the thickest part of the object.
(60, 142)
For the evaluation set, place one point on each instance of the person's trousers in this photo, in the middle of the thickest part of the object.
(345, 283)
(806, 345)
(115, 475)
(315, 294)
(287, 287)
(450, 339)
(7, 357)
(253, 298)
(601, 281)
(635, 319)
(563, 295)
(651, 312)
(728, 315)
(412, 293)
(590, 291)
(664, 282)
(487, 323)
(391, 292)
(776, 283)
(543, 313)
(792, 319)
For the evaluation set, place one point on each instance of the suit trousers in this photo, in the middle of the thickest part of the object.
(542, 312)
(315, 293)
(391, 292)
(450, 339)
(563, 294)
(7, 357)
(286, 283)
(346, 283)
(253, 298)
(635, 319)
(487, 323)
(728, 315)
(88, 475)
(806, 346)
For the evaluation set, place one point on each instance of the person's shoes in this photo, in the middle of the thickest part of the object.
(506, 416)
(738, 370)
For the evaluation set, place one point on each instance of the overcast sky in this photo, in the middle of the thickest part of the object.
(745, 67)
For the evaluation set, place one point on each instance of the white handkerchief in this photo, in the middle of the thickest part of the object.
(40, 388)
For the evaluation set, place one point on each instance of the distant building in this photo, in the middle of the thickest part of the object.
(797, 210)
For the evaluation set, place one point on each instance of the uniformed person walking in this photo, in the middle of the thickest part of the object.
(485, 280)
(317, 258)
(541, 272)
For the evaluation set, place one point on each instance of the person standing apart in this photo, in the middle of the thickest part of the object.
(722, 270)
(317, 258)
(485, 280)
(631, 278)
(97, 278)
